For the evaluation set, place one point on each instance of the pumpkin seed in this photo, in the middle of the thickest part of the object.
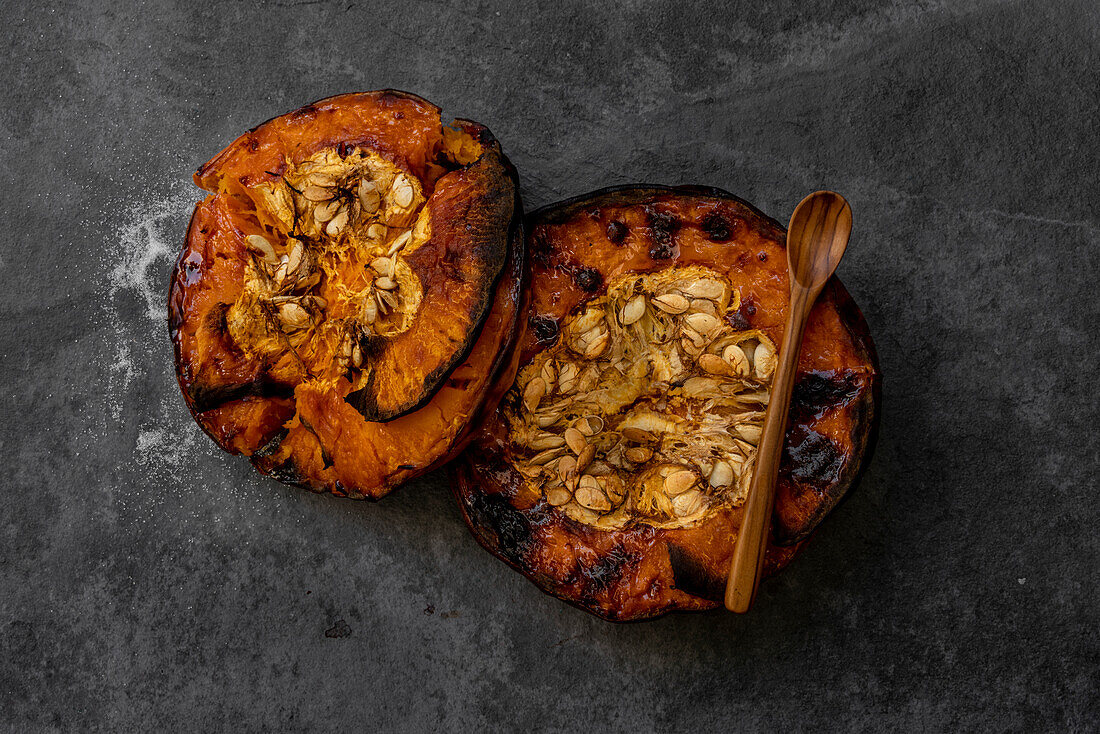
(688, 503)
(337, 223)
(701, 305)
(703, 323)
(735, 357)
(544, 457)
(547, 420)
(597, 346)
(672, 303)
(317, 193)
(698, 341)
(549, 374)
(546, 441)
(715, 365)
(585, 457)
(368, 310)
(721, 475)
(567, 468)
(679, 482)
(575, 440)
(383, 266)
(567, 378)
(704, 288)
(400, 242)
(261, 245)
(749, 432)
(294, 256)
(590, 495)
(368, 197)
(633, 310)
(402, 191)
(589, 425)
(280, 272)
(293, 316)
(638, 435)
(764, 360)
(534, 393)
(558, 496)
(386, 301)
(326, 211)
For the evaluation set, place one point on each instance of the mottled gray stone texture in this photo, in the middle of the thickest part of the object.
(151, 582)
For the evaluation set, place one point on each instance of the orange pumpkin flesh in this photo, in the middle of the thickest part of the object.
(651, 527)
(351, 281)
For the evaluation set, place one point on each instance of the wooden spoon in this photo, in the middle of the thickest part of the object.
(816, 238)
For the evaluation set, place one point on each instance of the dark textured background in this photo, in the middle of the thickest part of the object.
(149, 581)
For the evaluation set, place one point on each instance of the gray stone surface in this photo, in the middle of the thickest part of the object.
(150, 582)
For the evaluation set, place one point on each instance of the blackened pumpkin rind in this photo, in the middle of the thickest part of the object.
(686, 568)
(472, 212)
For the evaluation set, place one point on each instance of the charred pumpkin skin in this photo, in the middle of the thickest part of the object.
(638, 572)
(427, 382)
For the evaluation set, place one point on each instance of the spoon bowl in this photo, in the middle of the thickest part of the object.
(817, 237)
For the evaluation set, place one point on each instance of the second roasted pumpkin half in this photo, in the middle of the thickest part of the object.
(614, 472)
(348, 290)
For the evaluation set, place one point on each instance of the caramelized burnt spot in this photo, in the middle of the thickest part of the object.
(818, 392)
(649, 409)
(811, 459)
(545, 329)
(740, 319)
(662, 230)
(588, 279)
(607, 570)
(716, 227)
(513, 529)
(541, 248)
(616, 232)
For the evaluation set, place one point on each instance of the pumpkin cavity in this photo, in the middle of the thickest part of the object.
(649, 409)
(329, 275)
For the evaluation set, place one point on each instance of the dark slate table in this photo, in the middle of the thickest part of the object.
(151, 582)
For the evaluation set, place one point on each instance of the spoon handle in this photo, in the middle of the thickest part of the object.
(748, 552)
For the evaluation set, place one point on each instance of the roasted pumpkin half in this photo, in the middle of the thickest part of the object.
(614, 471)
(348, 290)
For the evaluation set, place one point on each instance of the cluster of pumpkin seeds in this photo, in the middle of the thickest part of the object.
(650, 407)
(327, 213)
